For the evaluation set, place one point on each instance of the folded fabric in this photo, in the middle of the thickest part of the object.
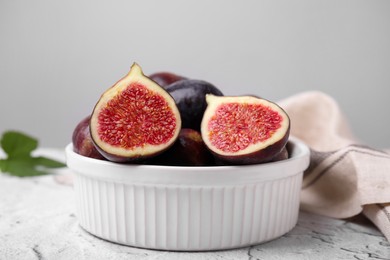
(345, 178)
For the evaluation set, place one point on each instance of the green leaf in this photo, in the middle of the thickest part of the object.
(18, 144)
(48, 163)
(18, 147)
(22, 167)
(2, 164)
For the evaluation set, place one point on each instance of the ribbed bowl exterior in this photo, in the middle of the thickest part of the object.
(188, 217)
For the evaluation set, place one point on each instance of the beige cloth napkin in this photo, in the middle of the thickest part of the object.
(344, 178)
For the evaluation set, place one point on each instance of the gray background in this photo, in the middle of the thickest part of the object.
(57, 57)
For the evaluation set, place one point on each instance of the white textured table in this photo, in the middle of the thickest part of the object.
(38, 221)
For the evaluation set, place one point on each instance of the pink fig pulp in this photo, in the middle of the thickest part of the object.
(244, 129)
(134, 119)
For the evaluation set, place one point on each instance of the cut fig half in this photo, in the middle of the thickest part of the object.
(244, 129)
(134, 119)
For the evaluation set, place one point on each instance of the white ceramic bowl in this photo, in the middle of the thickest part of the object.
(188, 208)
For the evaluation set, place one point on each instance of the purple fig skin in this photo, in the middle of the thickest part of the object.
(190, 98)
(283, 155)
(188, 150)
(82, 141)
(133, 160)
(165, 78)
(261, 156)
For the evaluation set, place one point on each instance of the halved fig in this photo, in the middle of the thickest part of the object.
(165, 78)
(134, 119)
(244, 129)
(190, 98)
(82, 141)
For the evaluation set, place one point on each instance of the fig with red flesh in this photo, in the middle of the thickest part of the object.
(165, 78)
(190, 98)
(82, 141)
(188, 150)
(244, 129)
(135, 119)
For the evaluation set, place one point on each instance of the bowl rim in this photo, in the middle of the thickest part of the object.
(191, 175)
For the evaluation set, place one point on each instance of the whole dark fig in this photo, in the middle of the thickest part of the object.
(188, 150)
(82, 141)
(165, 78)
(190, 98)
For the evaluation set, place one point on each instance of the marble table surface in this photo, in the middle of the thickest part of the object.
(38, 221)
